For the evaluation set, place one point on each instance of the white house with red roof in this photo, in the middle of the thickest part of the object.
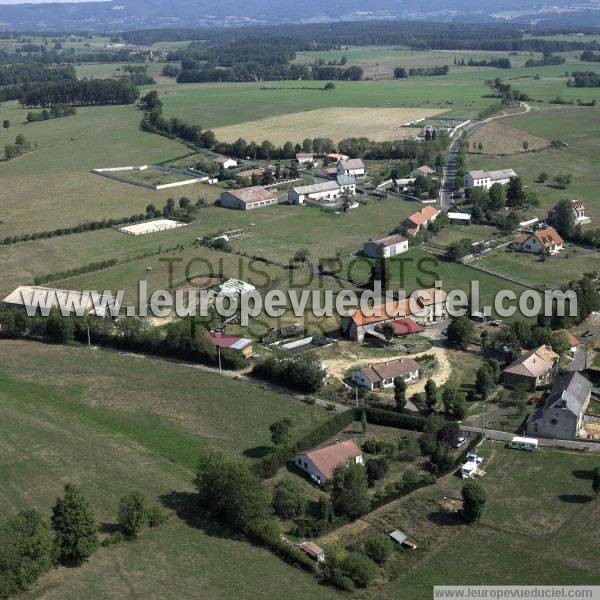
(420, 219)
(544, 241)
(321, 462)
(381, 376)
(422, 306)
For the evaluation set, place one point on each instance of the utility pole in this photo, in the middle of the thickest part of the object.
(89, 338)
(586, 336)
(356, 395)
(220, 369)
(483, 422)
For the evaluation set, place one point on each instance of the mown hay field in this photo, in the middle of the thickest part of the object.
(377, 124)
(499, 138)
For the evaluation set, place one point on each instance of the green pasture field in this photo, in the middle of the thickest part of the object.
(274, 232)
(378, 62)
(52, 186)
(570, 264)
(91, 423)
(177, 411)
(579, 128)
(540, 509)
(220, 104)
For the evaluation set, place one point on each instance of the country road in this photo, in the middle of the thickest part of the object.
(447, 186)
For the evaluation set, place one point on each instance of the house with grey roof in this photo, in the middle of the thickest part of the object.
(354, 167)
(327, 191)
(560, 416)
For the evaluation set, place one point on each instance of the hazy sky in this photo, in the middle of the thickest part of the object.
(40, 1)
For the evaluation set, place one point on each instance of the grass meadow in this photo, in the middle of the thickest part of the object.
(52, 186)
(109, 434)
(538, 527)
(577, 127)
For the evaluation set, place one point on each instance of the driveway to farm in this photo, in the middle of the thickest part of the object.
(447, 187)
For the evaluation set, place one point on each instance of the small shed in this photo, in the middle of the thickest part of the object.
(313, 551)
(401, 538)
(523, 443)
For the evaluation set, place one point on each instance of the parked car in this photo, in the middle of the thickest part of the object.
(459, 442)
(534, 400)
(473, 458)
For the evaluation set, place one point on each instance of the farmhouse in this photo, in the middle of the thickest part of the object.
(354, 167)
(326, 190)
(578, 209)
(385, 247)
(486, 179)
(543, 241)
(382, 376)
(225, 162)
(425, 306)
(248, 198)
(423, 171)
(561, 415)
(241, 345)
(304, 157)
(421, 219)
(532, 369)
(320, 463)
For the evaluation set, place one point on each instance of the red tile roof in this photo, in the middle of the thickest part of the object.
(423, 216)
(399, 308)
(404, 327)
(548, 237)
(228, 341)
(328, 458)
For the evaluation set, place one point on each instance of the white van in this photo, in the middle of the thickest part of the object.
(523, 443)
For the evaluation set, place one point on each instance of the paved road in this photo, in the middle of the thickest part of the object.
(447, 187)
(578, 362)
(503, 436)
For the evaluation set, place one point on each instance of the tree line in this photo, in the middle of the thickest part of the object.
(416, 35)
(401, 72)
(56, 111)
(155, 122)
(85, 92)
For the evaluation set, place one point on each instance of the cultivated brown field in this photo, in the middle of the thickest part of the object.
(377, 124)
(499, 138)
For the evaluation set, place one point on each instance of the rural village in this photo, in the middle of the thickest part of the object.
(379, 449)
